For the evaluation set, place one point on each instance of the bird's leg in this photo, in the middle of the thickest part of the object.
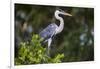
(49, 43)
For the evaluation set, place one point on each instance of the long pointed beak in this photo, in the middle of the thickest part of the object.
(67, 14)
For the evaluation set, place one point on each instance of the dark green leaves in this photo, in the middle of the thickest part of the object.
(34, 53)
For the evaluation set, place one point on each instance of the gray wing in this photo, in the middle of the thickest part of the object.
(49, 31)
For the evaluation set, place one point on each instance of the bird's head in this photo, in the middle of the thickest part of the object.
(59, 11)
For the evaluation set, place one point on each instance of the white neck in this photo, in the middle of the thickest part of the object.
(61, 26)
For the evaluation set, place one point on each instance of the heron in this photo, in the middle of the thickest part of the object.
(53, 29)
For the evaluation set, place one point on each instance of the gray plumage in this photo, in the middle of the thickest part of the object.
(49, 31)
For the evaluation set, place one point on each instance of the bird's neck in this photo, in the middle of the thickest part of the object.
(61, 26)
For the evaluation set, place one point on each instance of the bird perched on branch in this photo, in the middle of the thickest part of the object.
(53, 29)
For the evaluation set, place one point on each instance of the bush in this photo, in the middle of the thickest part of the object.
(34, 53)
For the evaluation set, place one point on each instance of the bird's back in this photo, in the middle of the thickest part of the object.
(49, 31)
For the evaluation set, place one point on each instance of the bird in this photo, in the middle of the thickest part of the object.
(53, 29)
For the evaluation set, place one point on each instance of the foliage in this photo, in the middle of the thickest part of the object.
(33, 53)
